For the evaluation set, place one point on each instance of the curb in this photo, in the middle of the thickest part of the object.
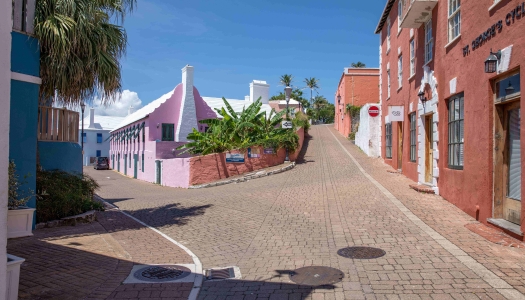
(87, 217)
(244, 178)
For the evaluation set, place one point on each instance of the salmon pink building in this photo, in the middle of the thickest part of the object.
(144, 145)
(357, 87)
(450, 91)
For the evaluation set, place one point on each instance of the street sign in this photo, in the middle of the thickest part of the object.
(287, 124)
(268, 151)
(373, 111)
(234, 157)
(254, 153)
(396, 113)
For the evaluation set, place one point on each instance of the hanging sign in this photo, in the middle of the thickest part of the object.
(396, 113)
(234, 157)
(373, 111)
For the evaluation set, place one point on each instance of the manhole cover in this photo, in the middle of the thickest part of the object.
(361, 252)
(315, 276)
(161, 273)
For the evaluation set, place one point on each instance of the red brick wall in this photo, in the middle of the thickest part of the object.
(357, 88)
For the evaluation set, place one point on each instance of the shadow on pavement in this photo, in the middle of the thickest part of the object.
(301, 159)
(170, 214)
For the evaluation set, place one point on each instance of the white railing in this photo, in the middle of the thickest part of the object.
(24, 15)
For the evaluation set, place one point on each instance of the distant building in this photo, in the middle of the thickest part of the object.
(280, 105)
(96, 134)
(357, 87)
(144, 144)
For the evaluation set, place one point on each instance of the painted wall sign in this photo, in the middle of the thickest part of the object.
(268, 151)
(254, 153)
(396, 113)
(287, 124)
(516, 13)
(373, 111)
(234, 157)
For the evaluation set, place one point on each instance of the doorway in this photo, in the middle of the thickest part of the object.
(118, 162)
(507, 168)
(126, 164)
(135, 166)
(399, 145)
(429, 154)
(158, 172)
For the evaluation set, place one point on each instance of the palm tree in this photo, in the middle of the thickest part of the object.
(358, 65)
(286, 80)
(313, 84)
(81, 42)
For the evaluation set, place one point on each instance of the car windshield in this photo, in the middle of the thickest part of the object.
(101, 159)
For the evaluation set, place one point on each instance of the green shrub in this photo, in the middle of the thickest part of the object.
(61, 194)
(15, 199)
(351, 136)
(301, 120)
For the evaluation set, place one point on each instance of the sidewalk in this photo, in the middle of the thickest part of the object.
(90, 261)
(506, 262)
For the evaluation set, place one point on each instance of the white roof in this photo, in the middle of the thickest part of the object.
(283, 102)
(143, 112)
(102, 122)
(237, 105)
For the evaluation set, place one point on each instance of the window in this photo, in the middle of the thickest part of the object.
(84, 137)
(388, 82)
(428, 41)
(99, 138)
(412, 57)
(412, 119)
(388, 140)
(454, 19)
(508, 88)
(400, 71)
(99, 153)
(455, 132)
(143, 134)
(388, 35)
(167, 132)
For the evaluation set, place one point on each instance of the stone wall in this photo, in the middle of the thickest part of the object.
(368, 137)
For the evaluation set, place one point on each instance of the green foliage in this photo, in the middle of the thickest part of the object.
(240, 131)
(301, 120)
(61, 194)
(351, 136)
(14, 198)
(286, 79)
(358, 65)
(354, 111)
(81, 43)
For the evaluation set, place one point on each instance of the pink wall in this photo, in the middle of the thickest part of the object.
(176, 172)
(203, 110)
(167, 112)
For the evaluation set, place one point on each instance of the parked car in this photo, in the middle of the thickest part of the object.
(101, 163)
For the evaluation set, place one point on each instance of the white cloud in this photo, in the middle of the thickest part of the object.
(120, 107)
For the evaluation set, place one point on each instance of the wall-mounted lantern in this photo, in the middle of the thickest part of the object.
(509, 90)
(338, 99)
(491, 64)
(422, 97)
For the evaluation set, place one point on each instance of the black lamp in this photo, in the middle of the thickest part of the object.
(509, 89)
(491, 64)
(338, 99)
(422, 97)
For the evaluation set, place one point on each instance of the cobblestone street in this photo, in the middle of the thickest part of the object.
(334, 198)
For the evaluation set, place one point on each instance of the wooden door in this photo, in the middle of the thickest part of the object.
(400, 145)
(429, 154)
(507, 164)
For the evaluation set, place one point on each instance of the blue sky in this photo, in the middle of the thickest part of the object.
(232, 42)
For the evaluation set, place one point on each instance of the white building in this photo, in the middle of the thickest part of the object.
(96, 133)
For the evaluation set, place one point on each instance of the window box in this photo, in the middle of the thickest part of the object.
(20, 222)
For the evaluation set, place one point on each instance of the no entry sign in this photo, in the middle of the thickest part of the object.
(373, 111)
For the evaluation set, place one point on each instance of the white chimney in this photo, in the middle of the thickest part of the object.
(91, 118)
(188, 111)
(131, 110)
(247, 98)
(259, 88)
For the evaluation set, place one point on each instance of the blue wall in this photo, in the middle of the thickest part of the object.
(22, 131)
(25, 54)
(60, 155)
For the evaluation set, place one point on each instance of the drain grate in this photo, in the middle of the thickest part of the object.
(361, 252)
(161, 273)
(225, 273)
(316, 276)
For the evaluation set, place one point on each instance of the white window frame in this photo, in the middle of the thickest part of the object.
(429, 41)
(400, 4)
(454, 19)
(400, 71)
(388, 34)
(388, 82)
(412, 57)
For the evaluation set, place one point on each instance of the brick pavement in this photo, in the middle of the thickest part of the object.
(90, 261)
(273, 225)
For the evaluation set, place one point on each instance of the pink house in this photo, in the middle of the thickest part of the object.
(144, 144)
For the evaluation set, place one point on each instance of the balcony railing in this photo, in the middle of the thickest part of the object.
(418, 12)
(24, 15)
(57, 124)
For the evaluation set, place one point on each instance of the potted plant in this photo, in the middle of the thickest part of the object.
(19, 216)
(13, 276)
